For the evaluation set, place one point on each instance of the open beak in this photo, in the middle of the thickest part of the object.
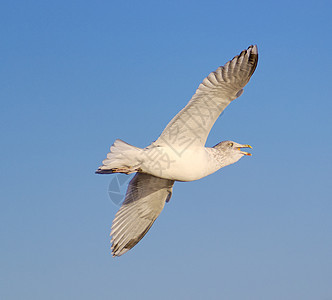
(243, 152)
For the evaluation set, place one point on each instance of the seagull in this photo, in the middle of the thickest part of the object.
(179, 154)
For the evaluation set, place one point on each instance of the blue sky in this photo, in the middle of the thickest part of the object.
(76, 75)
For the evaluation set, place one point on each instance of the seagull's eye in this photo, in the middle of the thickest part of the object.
(231, 144)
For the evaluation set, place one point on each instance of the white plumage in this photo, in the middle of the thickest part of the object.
(179, 154)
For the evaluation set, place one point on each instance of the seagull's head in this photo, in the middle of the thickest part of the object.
(232, 151)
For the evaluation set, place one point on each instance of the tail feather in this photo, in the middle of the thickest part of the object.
(122, 158)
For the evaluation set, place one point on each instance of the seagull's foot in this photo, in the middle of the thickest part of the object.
(118, 170)
(124, 170)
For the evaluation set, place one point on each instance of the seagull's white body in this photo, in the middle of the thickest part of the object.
(193, 164)
(179, 154)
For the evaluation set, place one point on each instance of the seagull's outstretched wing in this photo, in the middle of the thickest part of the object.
(193, 123)
(145, 199)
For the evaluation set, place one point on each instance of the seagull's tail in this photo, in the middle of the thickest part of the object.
(123, 158)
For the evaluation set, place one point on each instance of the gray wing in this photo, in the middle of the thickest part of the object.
(145, 199)
(191, 126)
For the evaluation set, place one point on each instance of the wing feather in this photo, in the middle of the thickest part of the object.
(145, 199)
(191, 126)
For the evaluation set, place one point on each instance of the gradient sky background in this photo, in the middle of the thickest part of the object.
(76, 75)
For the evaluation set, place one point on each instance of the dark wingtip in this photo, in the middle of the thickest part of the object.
(253, 58)
(253, 48)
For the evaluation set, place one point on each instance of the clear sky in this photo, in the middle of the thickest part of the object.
(76, 75)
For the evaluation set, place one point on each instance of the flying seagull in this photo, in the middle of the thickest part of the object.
(179, 154)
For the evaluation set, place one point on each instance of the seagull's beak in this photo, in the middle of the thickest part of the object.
(243, 152)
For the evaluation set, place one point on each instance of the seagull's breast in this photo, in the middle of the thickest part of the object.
(178, 164)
